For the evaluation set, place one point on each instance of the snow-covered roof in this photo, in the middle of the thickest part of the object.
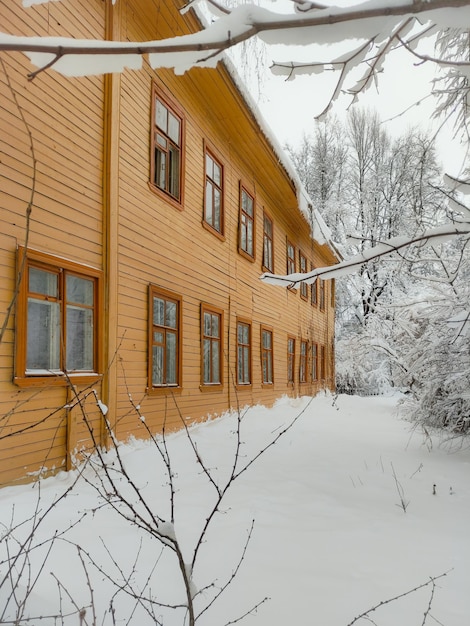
(321, 232)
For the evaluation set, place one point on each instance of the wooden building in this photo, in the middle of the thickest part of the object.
(138, 211)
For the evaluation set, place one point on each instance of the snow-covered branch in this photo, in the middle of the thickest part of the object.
(349, 266)
(369, 21)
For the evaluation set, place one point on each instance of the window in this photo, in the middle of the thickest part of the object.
(322, 368)
(57, 320)
(314, 298)
(303, 362)
(290, 258)
(167, 147)
(290, 359)
(322, 288)
(165, 339)
(214, 194)
(303, 269)
(243, 353)
(314, 362)
(268, 258)
(267, 356)
(247, 224)
(211, 338)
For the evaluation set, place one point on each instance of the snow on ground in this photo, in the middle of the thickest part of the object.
(330, 537)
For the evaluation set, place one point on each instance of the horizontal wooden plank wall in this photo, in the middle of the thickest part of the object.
(161, 245)
(154, 242)
(65, 119)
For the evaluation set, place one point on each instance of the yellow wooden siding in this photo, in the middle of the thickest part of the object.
(65, 118)
(171, 249)
(149, 240)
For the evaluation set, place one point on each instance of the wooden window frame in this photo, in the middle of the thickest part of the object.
(303, 269)
(314, 292)
(63, 268)
(212, 310)
(242, 217)
(314, 362)
(268, 242)
(170, 296)
(248, 323)
(267, 356)
(332, 293)
(303, 362)
(168, 102)
(291, 360)
(208, 181)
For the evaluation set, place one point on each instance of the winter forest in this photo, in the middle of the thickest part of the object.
(326, 510)
(401, 318)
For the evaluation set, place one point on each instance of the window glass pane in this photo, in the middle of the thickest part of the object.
(161, 116)
(160, 168)
(247, 203)
(79, 290)
(249, 237)
(162, 142)
(217, 175)
(215, 362)
(174, 171)
(171, 314)
(242, 333)
(159, 311)
(246, 369)
(158, 337)
(267, 255)
(240, 364)
(171, 359)
(217, 207)
(266, 339)
(215, 326)
(268, 226)
(243, 234)
(209, 167)
(173, 128)
(79, 343)
(43, 335)
(207, 324)
(206, 359)
(157, 365)
(41, 281)
(208, 207)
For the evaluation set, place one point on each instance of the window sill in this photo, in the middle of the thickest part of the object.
(56, 380)
(213, 230)
(164, 390)
(246, 255)
(211, 388)
(243, 386)
(178, 204)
